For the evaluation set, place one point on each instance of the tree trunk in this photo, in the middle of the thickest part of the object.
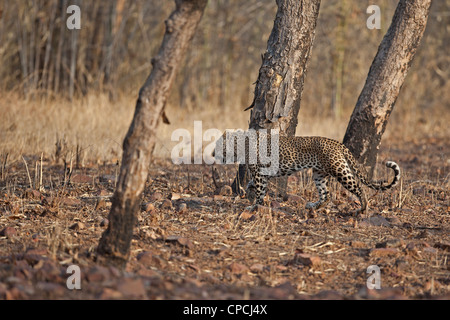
(279, 86)
(385, 79)
(139, 142)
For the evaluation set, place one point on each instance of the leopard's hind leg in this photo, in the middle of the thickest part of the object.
(321, 182)
(346, 177)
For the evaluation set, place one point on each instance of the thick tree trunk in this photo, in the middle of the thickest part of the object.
(279, 86)
(139, 142)
(385, 79)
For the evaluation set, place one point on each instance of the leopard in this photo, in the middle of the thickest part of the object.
(326, 157)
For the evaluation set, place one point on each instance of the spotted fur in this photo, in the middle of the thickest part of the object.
(327, 158)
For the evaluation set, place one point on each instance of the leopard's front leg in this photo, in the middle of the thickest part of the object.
(257, 186)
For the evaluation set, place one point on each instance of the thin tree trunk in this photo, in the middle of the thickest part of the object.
(279, 86)
(73, 62)
(140, 140)
(385, 79)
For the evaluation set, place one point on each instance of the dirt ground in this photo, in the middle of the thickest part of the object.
(195, 241)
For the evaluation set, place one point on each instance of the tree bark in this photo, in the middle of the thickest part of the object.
(139, 142)
(281, 76)
(385, 79)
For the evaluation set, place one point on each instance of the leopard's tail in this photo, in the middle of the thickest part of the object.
(363, 176)
(382, 185)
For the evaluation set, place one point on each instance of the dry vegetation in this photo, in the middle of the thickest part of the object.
(189, 241)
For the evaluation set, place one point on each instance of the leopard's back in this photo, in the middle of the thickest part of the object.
(298, 153)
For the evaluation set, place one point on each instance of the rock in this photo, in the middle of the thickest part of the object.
(148, 207)
(49, 271)
(383, 252)
(166, 204)
(444, 245)
(36, 237)
(358, 244)
(250, 212)
(110, 294)
(182, 208)
(132, 288)
(109, 178)
(393, 243)
(52, 289)
(401, 264)
(14, 294)
(293, 198)
(329, 295)
(8, 232)
(33, 256)
(155, 196)
(100, 204)
(432, 285)
(183, 241)
(377, 221)
(175, 196)
(308, 259)
(381, 294)
(37, 251)
(281, 268)
(97, 274)
(81, 178)
(283, 291)
(102, 193)
(275, 204)
(148, 259)
(247, 215)
(238, 268)
(32, 194)
(77, 226)
(3, 290)
(70, 201)
(430, 250)
(395, 221)
(257, 267)
(226, 191)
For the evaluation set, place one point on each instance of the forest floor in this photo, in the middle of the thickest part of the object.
(195, 241)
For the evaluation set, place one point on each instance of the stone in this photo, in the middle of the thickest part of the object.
(226, 191)
(257, 267)
(81, 178)
(383, 252)
(182, 208)
(166, 204)
(155, 196)
(77, 226)
(149, 259)
(238, 268)
(8, 232)
(377, 221)
(132, 288)
(104, 222)
(308, 259)
(110, 294)
(100, 204)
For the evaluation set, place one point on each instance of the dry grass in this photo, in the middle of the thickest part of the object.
(96, 126)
